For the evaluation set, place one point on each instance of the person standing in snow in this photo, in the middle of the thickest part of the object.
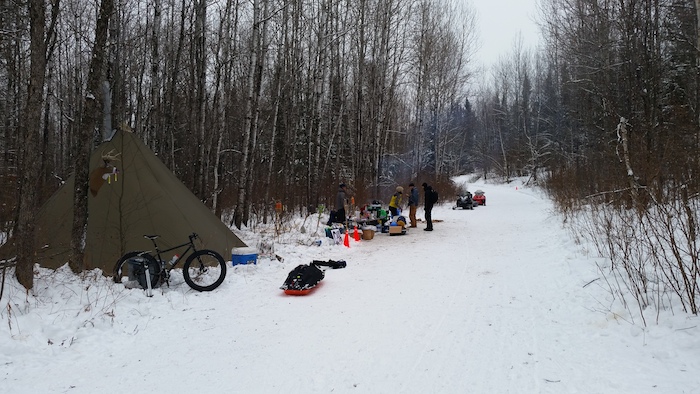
(413, 204)
(340, 201)
(395, 202)
(430, 198)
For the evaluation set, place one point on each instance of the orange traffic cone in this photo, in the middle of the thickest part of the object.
(346, 242)
(357, 235)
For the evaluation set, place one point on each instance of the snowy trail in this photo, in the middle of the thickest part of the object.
(488, 318)
(466, 308)
(492, 301)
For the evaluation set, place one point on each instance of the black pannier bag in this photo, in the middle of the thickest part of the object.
(137, 270)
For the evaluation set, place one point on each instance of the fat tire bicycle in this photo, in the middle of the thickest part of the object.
(204, 269)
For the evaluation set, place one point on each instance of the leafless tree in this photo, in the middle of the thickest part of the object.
(92, 113)
(30, 159)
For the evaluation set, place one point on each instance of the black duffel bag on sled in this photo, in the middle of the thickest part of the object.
(302, 279)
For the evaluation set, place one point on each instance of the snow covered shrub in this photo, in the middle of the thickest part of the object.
(652, 252)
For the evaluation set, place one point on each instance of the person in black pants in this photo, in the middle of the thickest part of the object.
(429, 198)
(413, 204)
(340, 201)
(338, 215)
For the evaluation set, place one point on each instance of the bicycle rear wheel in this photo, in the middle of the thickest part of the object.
(137, 272)
(121, 269)
(204, 270)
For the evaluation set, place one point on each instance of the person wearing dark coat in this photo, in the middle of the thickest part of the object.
(340, 198)
(413, 204)
(429, 202)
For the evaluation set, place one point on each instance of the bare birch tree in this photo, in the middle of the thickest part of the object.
(30, 162)
(90, 120)
(250, 126)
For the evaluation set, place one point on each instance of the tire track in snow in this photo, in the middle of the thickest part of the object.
(454, 293)
(491, 294)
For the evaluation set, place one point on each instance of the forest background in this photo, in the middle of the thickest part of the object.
(253, 102)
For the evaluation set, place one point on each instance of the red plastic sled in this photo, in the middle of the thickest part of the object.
(304, 292)
(297, 292)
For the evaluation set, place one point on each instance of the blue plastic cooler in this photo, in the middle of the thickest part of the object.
(244, 255)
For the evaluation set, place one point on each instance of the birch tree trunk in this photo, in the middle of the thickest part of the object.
(174, 75)
(320, 82)
(624, 140)
(257, 93)
(155, 112)
(30, 162)
(222, 67)
(273, 134)
(239, 216)
(217, 187)
(697, 60)
(201, 69)
(91, 117)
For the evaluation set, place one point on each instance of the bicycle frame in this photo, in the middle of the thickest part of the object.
(203, 269)
(158, 251)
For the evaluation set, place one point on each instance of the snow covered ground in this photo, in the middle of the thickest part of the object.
(495, 300)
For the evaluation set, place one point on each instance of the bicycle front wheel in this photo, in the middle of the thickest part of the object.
(204, 270)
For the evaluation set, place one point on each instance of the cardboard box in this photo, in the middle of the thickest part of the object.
(396, 230)
(367, 234)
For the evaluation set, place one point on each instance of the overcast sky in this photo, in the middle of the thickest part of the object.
(499, 22)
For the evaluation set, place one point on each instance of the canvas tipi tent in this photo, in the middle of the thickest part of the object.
(143, 197)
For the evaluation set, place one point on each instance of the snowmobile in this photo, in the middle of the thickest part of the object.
(479, 197)
(465, 201)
